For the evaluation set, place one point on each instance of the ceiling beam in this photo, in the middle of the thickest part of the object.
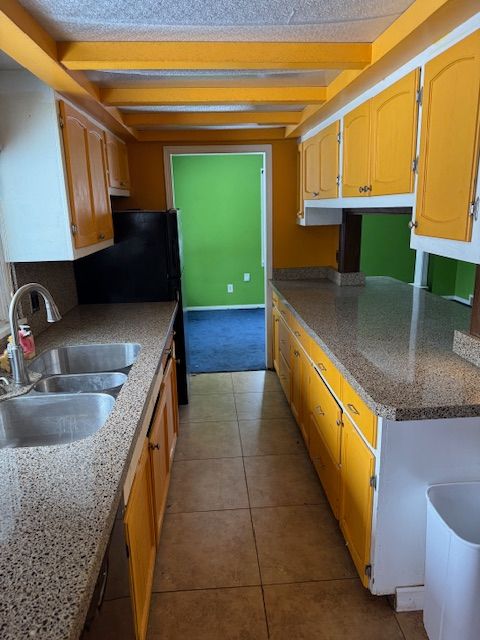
(210, 118)
(214, 55)
(151, 96)
(421, 25)
(24, 40)
(212, 135)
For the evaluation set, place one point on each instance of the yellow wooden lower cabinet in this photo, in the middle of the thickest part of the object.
(328, 470)
(299, 386)
(357, 471)
(276, 339)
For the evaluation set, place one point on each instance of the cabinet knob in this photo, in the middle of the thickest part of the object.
(101, 236)
(368, 187)
(361, 189)
(153, 446)
(412, 224)
(315, 193)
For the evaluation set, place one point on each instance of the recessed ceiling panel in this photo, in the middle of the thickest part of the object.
(215, 78)
(207, 108)
(249, 20)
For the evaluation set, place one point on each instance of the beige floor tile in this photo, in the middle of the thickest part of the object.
(206, 550)
(264, 406)
(205, 485)
(298, 544)
(256, 381)
(282, 480)
(330, 610)
(209, 408)
(264, 437)
(206, 383)
(208, 440)
(411, 624)
(215, 614)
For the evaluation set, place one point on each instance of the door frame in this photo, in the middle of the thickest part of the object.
(238, 149)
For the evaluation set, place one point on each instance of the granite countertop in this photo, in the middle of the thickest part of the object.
(58, 503)
(393, 343)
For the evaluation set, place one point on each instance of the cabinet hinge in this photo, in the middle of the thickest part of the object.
(74, 229)
(338, 181)
(60, 121)
(474, 208)
(415, 165)
(373, 482)
(368, 570)
(339, 137)
(420, 96)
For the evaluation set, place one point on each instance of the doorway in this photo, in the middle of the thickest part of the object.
(223, 199)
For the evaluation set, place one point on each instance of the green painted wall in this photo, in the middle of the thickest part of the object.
(219, 197)
(448, 277)
(385, 247)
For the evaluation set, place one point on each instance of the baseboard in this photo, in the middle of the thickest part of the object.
(409, 598)
(226, 307)
(464, 301)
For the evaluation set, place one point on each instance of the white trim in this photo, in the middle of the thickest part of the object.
(464, 301)
(239, 149)
(409, 598)
(398, 200)
(421, 269)
(225, 307)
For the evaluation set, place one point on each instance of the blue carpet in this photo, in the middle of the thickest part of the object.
(230, 340)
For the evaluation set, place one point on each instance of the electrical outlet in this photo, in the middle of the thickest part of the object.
(229, 288)
(246, 277)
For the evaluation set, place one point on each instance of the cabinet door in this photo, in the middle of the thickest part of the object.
(299, 385)
(327, 469)
(75, 142)
(356, 151)
(284, 375)
(329, 169)
(393, 137)
(140, 536)
(358, 464)
(123, 165)
(118, 175)
(170, 409)
(300, 212)
(98, 183)
(311, 169)
(327, 414)
(449, 142)
(276, 339)
(157, 442)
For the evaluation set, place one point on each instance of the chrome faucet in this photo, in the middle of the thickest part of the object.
(15, 351)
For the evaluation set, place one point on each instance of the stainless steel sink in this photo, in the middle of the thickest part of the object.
(37, 421)
(82, 382)
(89, 358)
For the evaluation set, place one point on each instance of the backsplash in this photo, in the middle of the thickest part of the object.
(57, 277)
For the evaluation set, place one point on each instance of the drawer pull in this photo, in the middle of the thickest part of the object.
(353, 409)
(321, 366)
(318, 410)
(153, 446)
(339, 423)
(296, 353)
(297, 333)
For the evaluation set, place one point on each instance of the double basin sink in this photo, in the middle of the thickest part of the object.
(73, 397)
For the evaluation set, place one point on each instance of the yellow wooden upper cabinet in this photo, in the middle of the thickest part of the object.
(358, 466)
(98, 183)
(379, 142)
(118, 174)
(328, 149)
(311, 168)
(140, 536)
(356, 151)
(76, 143)
(393, 121)
(300, 212)
(449, 142)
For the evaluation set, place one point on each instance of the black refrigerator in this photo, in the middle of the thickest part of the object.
(143, 265)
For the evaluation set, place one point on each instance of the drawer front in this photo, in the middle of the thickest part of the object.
(275, 298)
(328, 471)
(284, 312)
(325, 366)
(284, 339)
(360, 413)
(327, 415)
(300, 333)
(284, 376)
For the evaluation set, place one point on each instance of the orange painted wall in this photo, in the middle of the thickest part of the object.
(293, 246)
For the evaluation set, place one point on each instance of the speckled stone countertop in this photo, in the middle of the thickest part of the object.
(58, 503)
(393, 344)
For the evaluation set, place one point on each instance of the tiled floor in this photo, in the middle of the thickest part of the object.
(250, 549)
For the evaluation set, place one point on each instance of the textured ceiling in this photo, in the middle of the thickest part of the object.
(264, 20)
(212, 78)
(225, 108)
